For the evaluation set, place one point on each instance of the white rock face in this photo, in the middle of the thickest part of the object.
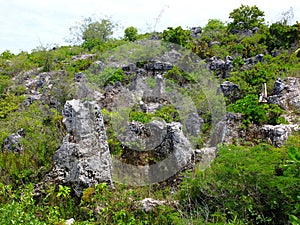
(278, 134)
(83, 159)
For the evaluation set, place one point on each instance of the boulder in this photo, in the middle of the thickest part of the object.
(195, 32)
(164, 143)
(12, 142)
(229, 90)
(83, 159)
(150, 204)
(277, 135)
(286, 94)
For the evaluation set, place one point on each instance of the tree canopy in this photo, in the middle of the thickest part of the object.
(246, 17)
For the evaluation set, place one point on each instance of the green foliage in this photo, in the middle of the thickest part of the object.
(5, 82)
(6, 55)
(131, 33)
(178, 36)
(255, 112)
(214, 25)
(246, 17)
(41, 124)
(64, 191)
(249, 185)
(167, 113)
(92, 32)
(282, 36)
(8, 104)
(179, 76)
(108, 75)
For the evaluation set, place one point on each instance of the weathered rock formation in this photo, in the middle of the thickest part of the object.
(229, 90)
(162, 142)
(277, 135)
(230, 131)
(149, 204)
(221, 67)
(83, 159)
(12, 142)
(286, 94)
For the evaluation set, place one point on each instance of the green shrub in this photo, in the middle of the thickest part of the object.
(131, 33)
(249, 185)
(178, 36)
(255, 112)
(107, 76)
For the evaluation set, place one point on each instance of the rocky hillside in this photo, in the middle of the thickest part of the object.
(196, 126)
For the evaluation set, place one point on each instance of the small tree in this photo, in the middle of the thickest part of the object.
(178, 36)
(214, 25)
(131, 33)
(91, 32)
(245, 18)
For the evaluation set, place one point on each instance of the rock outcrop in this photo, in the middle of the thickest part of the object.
(286, 94)
(149, 204)
(221, 67)
(229, 90)
(12, 142)
(277, 135)
(162, 142)
(230, 131)
(83, 159)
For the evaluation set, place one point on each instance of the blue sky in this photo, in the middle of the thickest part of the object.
(27, 24)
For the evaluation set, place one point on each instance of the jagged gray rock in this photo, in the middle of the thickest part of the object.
(230, 90)
(78, 77)
(83, 57)
(12, 142)
(211, 43)
(195, 32)
(194, 124)
(150, 204)
(229, 130)
(170, 146)
(83, 159)
(277, 135)
(220, 66)
(286, 94)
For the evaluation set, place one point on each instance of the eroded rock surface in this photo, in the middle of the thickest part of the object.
(286, 94)
(230, 131)
(162, 142)
(277, 135)
(83, 159)
(12, 142)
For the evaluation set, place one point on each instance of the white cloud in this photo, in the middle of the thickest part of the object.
(25, 24)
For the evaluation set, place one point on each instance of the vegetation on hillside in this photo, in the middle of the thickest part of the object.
(257, 184)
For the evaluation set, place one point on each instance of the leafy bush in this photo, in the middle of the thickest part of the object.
(131, 33)
(255, 112)
(248, 185)
(178, 36)
(246, 17)
(107, 76)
